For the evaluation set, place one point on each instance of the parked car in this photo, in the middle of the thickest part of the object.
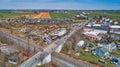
(102, 61)
(114, 60)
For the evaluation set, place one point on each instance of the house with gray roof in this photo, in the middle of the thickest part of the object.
(100, 51)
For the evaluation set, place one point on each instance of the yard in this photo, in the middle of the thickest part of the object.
(116, 53)
(93, 59)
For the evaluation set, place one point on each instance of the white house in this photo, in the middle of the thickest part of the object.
(110, 47)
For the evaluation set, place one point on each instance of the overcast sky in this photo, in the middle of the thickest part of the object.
(60, 4)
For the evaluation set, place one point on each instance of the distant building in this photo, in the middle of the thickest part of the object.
(81, 16)
(94, 35)
(115, 28)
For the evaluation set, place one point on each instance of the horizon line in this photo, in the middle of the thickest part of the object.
(56, 9)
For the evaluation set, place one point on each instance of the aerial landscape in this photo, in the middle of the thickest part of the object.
(60, 33)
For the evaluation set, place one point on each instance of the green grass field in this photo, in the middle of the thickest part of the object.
(10, 15)
(63, 15)
(116, 53)
(38, 66)
(114, 16)
(55, 15)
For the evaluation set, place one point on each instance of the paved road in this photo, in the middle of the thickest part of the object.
(64, 61)
(34, 60)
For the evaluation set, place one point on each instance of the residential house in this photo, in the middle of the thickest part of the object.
(48, 39)
(110, 47)
(100, 51)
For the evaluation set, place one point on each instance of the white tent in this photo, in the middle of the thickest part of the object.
(80, 43)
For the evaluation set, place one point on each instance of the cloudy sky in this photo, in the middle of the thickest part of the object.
(60, 4)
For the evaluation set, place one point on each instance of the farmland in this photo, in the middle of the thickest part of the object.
(8, 14)
(55, 15)
(62, 15)
(114, 16)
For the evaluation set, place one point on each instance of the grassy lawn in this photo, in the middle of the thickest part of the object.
(115, 41)
(94, 59)
(116, 53)
(38, 66)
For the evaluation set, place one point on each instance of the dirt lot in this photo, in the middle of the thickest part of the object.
(43, 15)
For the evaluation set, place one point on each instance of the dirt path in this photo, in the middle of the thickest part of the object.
(43, 15)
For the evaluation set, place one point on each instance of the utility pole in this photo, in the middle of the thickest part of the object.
(34, 49)
(11, 28)
(108, 32)
(28, 45)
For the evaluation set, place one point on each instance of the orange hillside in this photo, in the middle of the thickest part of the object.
(43, 15)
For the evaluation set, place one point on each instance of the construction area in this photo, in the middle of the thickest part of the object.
(39, 33)
(20, 41)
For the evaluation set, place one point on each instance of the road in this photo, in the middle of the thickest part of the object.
(64, 61)
(34, 60)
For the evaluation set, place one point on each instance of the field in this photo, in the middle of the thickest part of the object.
(56, 15)
(114, 16)
(60, 15)
(43, 15)
(12, 15)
